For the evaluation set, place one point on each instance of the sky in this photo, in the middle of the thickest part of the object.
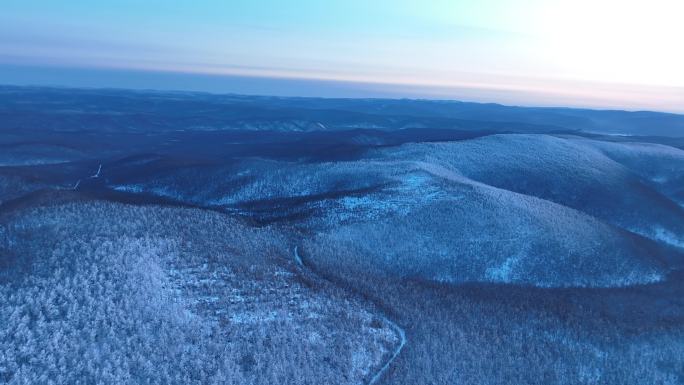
(589, 53)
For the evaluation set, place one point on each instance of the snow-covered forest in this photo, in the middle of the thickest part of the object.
(152, 238)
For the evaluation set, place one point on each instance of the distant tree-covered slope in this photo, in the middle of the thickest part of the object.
(119, 110)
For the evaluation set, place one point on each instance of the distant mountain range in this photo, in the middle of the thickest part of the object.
(111, 109)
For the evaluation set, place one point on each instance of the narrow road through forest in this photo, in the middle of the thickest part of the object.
(402, 334)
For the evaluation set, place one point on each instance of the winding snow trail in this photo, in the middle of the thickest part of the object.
(402, 334)
(94, 176)
(97, 174)
(297, 258)
(384, 368)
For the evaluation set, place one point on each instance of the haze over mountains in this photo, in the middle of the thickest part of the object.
(127, 110)
(252, 239)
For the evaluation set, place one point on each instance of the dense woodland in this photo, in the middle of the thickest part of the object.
(152, 238)
(122, 294)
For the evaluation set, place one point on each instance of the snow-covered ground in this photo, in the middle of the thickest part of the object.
(173, 296)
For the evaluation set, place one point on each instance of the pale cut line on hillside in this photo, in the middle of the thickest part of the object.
(402, 334)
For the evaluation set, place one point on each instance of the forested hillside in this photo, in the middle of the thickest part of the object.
(182, 238)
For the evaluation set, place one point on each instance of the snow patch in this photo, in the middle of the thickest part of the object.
(668, 237)
(137, 189)
(503, 272)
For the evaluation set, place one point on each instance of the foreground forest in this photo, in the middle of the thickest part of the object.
(177, 238)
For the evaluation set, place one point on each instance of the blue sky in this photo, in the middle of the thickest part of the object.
(600, 53)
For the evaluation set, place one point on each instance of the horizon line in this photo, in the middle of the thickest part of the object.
(255, 84)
